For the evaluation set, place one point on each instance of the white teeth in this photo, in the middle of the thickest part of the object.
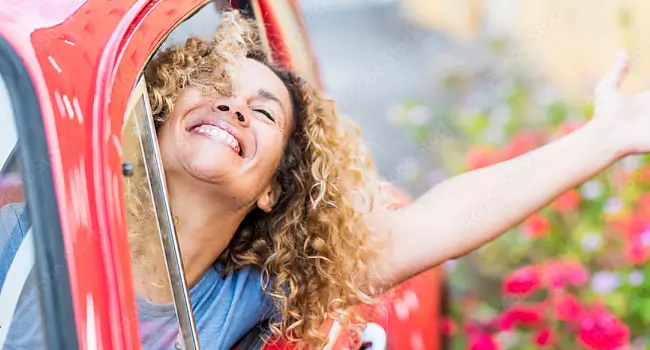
(218, 134)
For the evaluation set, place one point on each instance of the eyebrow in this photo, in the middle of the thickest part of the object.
(265, 94)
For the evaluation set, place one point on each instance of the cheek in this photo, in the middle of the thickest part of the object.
(164, 145)
(169, 143)
(271, 150)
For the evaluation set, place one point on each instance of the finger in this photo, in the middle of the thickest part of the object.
(618, 72)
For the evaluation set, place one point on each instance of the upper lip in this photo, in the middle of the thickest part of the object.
(223, 126)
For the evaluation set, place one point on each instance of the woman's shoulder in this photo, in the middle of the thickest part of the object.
(227, 306)
(12, 213)
(244, 282)
(13, 228)
(242, 288)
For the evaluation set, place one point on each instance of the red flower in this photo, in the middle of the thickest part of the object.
(536, 225)
(524, 281)
(523, 315)
(567, 308)
(643, 175)
(521, 143)
(570, 127)
(601, 330)
(473, 328)
(479, 157)
(543, 337)
(635, 252)
(561, 273)
(568, 201)
(636, 239)
(643, 204)
(483, 342)
(448, 326)
(635, 224)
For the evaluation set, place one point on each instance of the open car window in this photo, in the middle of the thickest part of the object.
(163, 305)
(19, 294)
(35, 302)
(164, 312)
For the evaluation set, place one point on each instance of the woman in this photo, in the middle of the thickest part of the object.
(264, 177)
(277, 205)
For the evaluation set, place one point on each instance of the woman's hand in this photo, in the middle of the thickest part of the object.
(469, 210)
(626, 116)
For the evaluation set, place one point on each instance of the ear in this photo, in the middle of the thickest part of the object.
(269, 197)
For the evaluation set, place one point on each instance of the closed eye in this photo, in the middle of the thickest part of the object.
(266, 114)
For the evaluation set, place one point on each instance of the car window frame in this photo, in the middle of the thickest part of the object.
(51, 264)
(255, 10)
(171, 249)
(156, 177)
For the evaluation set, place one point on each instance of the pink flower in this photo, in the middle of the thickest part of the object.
(567, 308)
(523, 315)
(635, 252)
(473, 328)
(544, 337)
(483, 342)
(525, 281)
(601, 330)
(561, 273)
(448, 326)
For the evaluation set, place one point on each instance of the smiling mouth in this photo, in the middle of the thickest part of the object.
(217, 134)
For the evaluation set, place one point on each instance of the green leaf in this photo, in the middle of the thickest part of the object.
(557, 113)
(618, 303)
(645, 314)
(420, 134)
(478, 123)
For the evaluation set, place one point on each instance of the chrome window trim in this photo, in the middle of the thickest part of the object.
(153, 166)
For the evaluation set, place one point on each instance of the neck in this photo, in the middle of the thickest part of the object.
(204, 226)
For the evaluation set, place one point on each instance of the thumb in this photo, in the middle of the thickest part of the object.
(617, 73)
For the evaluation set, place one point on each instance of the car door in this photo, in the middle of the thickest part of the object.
(36, 309)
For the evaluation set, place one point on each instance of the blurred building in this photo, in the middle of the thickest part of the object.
(373, 58)
(572, 42)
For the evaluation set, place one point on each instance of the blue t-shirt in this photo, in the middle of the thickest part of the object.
(224, 308)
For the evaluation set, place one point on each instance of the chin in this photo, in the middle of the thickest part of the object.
(209, 173)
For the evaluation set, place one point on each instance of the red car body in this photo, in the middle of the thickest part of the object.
(83, 58)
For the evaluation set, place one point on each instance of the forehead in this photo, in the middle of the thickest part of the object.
(253, 76)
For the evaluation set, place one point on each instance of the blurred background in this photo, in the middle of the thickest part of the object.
(440, 87)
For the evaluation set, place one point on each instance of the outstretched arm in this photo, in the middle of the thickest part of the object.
(469, 210)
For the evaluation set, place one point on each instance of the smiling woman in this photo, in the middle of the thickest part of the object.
(253, 159)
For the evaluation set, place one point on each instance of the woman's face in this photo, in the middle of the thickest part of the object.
(231, 144)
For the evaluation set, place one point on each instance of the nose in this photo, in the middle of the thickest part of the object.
(236, 108)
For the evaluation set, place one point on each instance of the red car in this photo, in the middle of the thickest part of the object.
(70, 86)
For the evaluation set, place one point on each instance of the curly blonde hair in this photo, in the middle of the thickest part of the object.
(314, 248)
